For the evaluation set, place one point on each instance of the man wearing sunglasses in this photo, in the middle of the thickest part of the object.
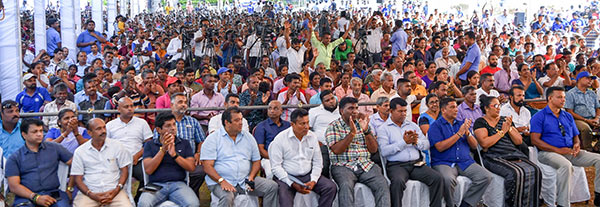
(560, 146)
(10, 131)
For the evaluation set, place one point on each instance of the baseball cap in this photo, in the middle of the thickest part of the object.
(172, 80)
(584, 74)
(222, 70)
(557, 57)
(28, 76)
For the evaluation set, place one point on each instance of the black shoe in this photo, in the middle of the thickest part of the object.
(596, 199)
(464, 204)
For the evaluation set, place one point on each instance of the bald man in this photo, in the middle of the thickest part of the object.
(267, 130)
(100, 169)
(132, 132)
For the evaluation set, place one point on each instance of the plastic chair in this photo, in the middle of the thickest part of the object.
(579, 182)
(146, 181)
(415, 194)
(240, 200)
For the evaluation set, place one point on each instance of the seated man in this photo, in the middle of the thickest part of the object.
(100, 169)
(450, 155)
(559, 147)
(231, 100)
(351, 143)
(383, 112)
(297, 163)
(266, 131)
(166, 159)
(32, 170)
(401, 143)
(231, 161)
(582, 103)
(319, 119)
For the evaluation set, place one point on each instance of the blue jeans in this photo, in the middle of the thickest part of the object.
(177, 192)
(62, 202)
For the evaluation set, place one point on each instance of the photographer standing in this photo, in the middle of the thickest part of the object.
(252, 47)
(200, 43)
(374, 36)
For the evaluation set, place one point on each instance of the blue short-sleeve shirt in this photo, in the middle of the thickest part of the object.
(86, 37)
(33, 103)
(233, 159)
(544, 122)
(457, 154)
(38, 170)
(168, 170)
(473, 56)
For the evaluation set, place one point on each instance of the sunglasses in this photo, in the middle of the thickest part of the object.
(562, 129)
(9, 105)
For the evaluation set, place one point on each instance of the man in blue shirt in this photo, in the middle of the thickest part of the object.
(89, 37)
(471, 60)
(559, 147)
(266, 130)
(52, 36)
(166, 160)
(32, 170)
(32, 98)
(450, 141)
(231, 161)
(401, 143)
(10, 136)
(398, 39)
(539, 25)
(582, 103)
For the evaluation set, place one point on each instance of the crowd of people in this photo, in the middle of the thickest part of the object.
(438, 91)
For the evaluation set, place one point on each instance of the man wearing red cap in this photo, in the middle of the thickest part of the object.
(173, 85)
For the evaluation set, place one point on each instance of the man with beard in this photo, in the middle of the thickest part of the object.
(188, 129)
(94, 101)
(492, 66)
(266, 131)
(60, 102)
(319, 119)
(32, 98)
(487, 88)
(100, 168)
(515, 108)
(190, 80)
(10, 132)
(404, 90)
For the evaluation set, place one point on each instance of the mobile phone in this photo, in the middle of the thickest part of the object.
(55, 195)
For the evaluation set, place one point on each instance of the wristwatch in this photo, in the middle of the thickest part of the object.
(70, 189)
(220, 180)
(176, 156)
(120, 186)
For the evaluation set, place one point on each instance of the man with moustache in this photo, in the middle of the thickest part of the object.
(32, 98)
(266, 131)
(100, 168)
(515, 108)
(10, 135)
(319, 119)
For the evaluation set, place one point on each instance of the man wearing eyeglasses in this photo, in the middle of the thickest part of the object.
(560, 146)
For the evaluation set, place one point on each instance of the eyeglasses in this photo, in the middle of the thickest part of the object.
(562, 129)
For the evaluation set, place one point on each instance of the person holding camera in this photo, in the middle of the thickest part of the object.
(200, 42)
(166, 160)
(374, 37)
(296, 162)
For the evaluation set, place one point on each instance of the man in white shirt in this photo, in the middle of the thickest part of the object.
(297, 163)
(132, 132)
(295, 51)
(374, 36)
(516, 109)
(252, 48)
(174, 48)
(200, 42)
(100, 168)
(231, 100)
(60, 102)
(487, 88)
(319, 119)
(552, 77)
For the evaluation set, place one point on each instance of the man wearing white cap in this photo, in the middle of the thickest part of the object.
(32, 98)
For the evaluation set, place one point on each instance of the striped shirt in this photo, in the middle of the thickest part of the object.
(590, 39)
(188, 129)
(356, 155)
